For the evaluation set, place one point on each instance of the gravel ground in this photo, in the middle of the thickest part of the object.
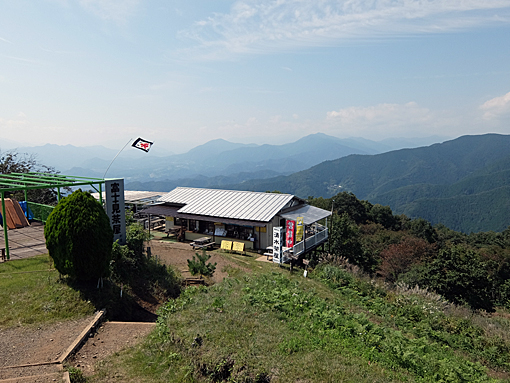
(22, 345)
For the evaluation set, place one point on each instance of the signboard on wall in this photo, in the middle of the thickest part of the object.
(278, 235)
(299, 229)
(289, 238)
(116, 209)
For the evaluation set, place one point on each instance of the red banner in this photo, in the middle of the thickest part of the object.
(291, 226)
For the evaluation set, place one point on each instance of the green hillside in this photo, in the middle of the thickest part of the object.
(460, 183)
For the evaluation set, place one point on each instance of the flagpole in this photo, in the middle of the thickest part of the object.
(108, 168)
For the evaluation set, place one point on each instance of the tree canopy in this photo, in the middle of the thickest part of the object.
(79, 237)
(14, 162)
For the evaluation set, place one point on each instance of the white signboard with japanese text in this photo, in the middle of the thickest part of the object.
(116, 209)
(278, 237)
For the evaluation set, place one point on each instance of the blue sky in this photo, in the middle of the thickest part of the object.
(181, 73)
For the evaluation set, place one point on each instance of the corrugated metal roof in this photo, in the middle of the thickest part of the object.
(172, 211)
(309, 213)
(244, 205)
(131, 196)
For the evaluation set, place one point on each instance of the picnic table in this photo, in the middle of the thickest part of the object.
(202, 243)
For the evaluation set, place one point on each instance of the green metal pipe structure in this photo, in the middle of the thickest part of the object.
(37, 180)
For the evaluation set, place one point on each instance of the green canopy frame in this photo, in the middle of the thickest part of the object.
(29, 181)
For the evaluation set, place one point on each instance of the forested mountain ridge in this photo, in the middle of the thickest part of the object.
(462, 183)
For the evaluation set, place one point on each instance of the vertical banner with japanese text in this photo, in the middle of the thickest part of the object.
(278, 235)
(115, 209)
(291, 226)
(299, 229)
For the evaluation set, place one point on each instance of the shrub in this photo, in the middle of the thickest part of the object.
(79, 237)
(459, 274)
(399, 258)
(198, 265)
(137, 272)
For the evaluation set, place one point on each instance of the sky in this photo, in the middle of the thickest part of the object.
(181, 73)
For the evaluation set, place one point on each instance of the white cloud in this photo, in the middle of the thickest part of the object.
(118, 11)
(254, 26)
(496, 107)
(373, 122)
(381, 114)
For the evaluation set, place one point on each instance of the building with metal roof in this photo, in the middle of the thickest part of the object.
(243, 216)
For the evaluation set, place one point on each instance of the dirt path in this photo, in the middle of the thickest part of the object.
(21, 345)
(177, 254)
(109, 338)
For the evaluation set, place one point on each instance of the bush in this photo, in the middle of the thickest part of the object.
(139, 273)
(459, 274)
(198, 265)
(79, 237)
(398, 258)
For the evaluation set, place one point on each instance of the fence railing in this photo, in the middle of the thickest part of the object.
(313, 241)
(40, 212)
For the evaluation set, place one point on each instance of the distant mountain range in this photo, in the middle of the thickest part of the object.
(462, 183)
(216, 162)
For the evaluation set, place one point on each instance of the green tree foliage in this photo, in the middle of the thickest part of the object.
(422, 228)
(446, 236)
(469, 269)
(459, 274)
(345, 241)
(198, 265)
(344, 202)
(79, 237)
(128, 259)
(131, 267)
(348, 203)
(384, 216)
(13, 162)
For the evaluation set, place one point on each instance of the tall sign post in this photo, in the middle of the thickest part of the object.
(278, 238)
(116, 208)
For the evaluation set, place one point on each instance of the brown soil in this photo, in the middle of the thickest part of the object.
(109, 338)
(176, 254)
(44, 344)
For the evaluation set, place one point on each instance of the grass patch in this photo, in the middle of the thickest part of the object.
(218, 334)
(276, 327)
(427, 317)
(31, 292)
